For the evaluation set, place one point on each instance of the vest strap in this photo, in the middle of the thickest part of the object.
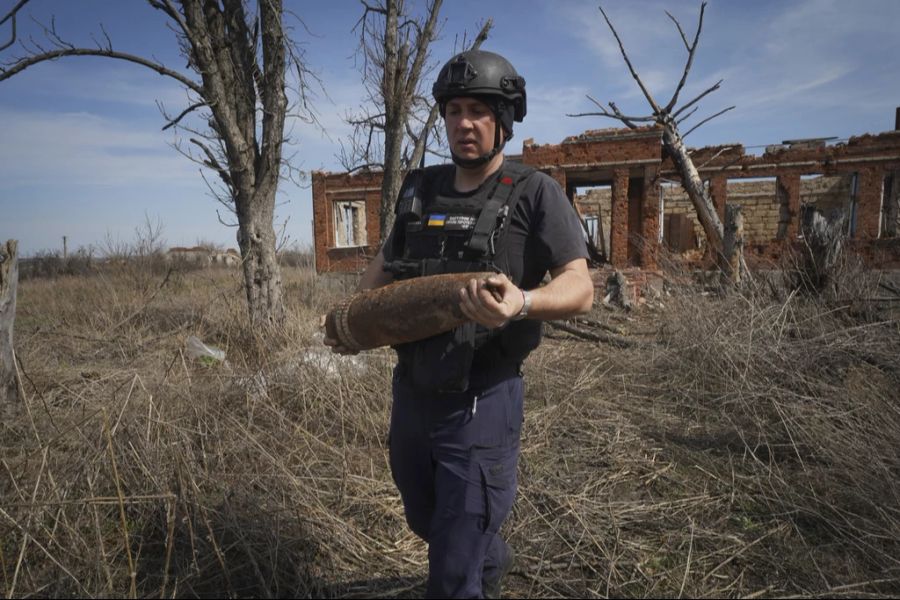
(487, 220)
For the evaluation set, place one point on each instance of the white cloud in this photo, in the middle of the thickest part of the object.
(547, 121)
(815, 56)
(78, 83)
(637, 28)
(317, 144)
(82, 149)
(820, 66)
(649, 37)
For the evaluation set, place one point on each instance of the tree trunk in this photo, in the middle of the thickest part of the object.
(241, 59)
(617, 291)
(393, 178)
(403, 61)
(225, 52)
(734, 243)
(262, 275)
(9, 275)
(696, 191)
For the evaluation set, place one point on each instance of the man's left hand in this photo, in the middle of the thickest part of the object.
(491, 302)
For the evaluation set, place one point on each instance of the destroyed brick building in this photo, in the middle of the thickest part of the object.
(634, 209)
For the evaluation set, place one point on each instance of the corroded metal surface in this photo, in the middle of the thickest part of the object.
(401, 312)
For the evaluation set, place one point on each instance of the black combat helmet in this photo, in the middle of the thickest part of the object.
(490, 78)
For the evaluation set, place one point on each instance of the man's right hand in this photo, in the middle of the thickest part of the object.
(337, 347)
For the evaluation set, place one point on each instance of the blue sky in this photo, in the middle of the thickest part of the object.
(82, 153)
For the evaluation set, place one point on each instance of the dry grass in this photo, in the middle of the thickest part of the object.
(745, 447)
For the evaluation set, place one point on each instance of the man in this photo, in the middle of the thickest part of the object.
(458, 397)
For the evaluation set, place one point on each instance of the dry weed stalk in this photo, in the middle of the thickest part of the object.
(745, 447)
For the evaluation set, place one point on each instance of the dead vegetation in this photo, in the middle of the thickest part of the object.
(740, 446)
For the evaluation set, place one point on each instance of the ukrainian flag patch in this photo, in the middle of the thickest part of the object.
(436, 220)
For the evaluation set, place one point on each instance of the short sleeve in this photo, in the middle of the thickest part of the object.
(556, 230)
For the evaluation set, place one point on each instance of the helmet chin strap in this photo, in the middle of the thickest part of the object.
(474, 163)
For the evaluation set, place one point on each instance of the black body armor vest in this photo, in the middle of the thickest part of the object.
(435, 234)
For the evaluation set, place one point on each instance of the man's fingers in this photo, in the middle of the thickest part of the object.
(472, 287)
(480, 306)
(343, 350)
(494, 288)
(489, 293)
(337, 347)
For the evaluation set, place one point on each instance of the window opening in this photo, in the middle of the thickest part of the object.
(854, 199)
(594, 206)
(349, 224)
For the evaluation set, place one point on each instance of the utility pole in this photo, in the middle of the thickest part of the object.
(65, 248)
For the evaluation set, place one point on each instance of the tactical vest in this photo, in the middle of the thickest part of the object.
(435, 234)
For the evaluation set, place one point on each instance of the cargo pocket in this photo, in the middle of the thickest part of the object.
(497, 492)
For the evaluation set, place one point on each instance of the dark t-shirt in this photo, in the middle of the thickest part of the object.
(544, 233)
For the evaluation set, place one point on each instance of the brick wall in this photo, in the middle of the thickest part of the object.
(331, 188)
(761, 206)
(629, 165)
(595, 148)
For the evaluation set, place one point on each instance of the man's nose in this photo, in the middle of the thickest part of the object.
(465, 121)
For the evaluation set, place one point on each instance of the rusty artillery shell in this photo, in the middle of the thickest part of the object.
(405, 311)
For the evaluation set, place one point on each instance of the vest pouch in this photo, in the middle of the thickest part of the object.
(442, 363)
(423, 244)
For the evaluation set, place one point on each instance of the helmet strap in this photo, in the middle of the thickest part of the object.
(472, 163)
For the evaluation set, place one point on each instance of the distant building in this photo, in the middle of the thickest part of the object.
(201, 255)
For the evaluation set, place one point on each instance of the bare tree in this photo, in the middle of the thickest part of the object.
(391, 132)
(238, 58)
(669, 117)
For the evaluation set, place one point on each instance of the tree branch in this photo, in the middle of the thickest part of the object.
(687, 116)
(12, 12)
(11, 16)
(690, 60)
(653, 104)
(374, 9)
(680, 30)
(423, 41)
(706, 120)
(627, 120)
(616, 114)
(213, 163)
(718, 153)
(697, 99)
(30, 61)
(593, 336)
(173, 122)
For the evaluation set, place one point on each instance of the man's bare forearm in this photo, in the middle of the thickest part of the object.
(570, 292)
(375, 276)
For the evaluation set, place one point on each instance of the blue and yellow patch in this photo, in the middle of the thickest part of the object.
(436, 220)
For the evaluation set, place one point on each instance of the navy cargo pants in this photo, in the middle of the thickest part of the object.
(453, 457)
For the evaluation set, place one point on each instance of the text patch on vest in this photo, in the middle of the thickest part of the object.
(460, 222)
